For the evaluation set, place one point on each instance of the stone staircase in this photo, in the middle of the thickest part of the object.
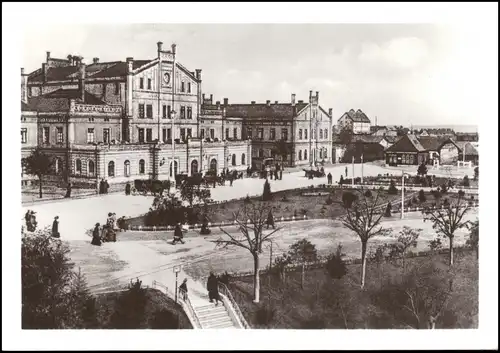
(214, 317)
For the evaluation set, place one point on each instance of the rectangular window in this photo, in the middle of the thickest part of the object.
(149, 83)
(141, 135)
(315, 134)
(326, 134)
(272, 134)
(46, 135)
(305, 134)
(183, 112)
(90, 135)
(260, 133)
(284, 134)
(59, 135)
(202, 133)
(189, 113)
(164, 115)
(227, 133)
(149, 111)
(320, 134)
(235, 133)
(212, 134)
(189, 87)
(169, 134)
(249, 132)
(105, 135)
(169, 112)
(189, 133)
(149, 135)
(300, 134)
(24, 135)
(30, 92)
(164, 135)
(141, 83)
(182, 86)
(141, 111)
(183, 134)
(117, 88)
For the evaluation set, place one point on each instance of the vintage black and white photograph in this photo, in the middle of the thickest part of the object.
(254, 176)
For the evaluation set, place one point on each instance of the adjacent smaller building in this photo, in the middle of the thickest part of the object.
(407, 151)
(357, 121)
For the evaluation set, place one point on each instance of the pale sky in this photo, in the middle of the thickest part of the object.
(403, 74)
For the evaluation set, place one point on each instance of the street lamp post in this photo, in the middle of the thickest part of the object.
(403, 193)
(177, 269)
(352, 182)
(172, 163)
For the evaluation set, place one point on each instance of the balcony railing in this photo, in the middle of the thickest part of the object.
(225, 291)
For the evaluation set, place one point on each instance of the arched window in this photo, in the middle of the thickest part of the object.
(126, 168)
(142, 166)
(78, 167)
(243, 159)
(91, 167)
(320, 154)
(111, 169)
(173, 164)
(213, 165)
(194, 167)
(300, 155)
(261, 153)
(233, 160)
(305, 155)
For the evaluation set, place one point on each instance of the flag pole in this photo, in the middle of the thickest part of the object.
(352, 182)
(362, 163)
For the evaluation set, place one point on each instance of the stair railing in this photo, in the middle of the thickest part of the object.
(226, 292)
(185, 304)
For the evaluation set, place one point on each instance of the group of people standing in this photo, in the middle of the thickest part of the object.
(108, 232)
(212, 288)
(103, 186)
(30, 219)
(276, 172)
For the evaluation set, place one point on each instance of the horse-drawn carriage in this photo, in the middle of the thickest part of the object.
(311, 173)
(144, 187)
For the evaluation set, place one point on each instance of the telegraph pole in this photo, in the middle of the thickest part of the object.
(352, 181)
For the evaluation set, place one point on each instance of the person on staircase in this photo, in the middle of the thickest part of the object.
(183, 290)
(213, 289)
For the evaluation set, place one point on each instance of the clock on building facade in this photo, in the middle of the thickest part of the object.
(166, 78)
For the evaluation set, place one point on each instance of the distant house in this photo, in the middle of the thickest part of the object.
(467, 136)
(407, 150)
(443, 132)
(451, 152)
(424, 133)
(357, 121)
(431, 144)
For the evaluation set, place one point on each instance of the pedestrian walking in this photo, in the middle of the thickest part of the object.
(127, 189)
(270, 220)
(96, 235)
(178, 234)
(68, 191)
(183, 290)
(106, 186)
(55, 227)
(213, 289)
(330, 178)
(101, 186)
(346, 171)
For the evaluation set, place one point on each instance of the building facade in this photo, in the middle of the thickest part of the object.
(125, 120)
(357, 121)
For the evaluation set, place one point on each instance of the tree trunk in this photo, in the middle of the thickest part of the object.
(363, 263)
(40, 182)
(302, 276)
(451, 251)
(256, 278)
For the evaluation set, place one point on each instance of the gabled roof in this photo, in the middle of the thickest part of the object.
(470, 148)
(256, 111)
(368, 138)
(357, 116)
(57, 101)
(431, 143)
(26, 107)
(407, 143)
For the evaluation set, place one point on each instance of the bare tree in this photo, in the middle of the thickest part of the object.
(251, 221)
(407, 238)
(301, 252)
(473, 240)
(446, 221)
(363, 220)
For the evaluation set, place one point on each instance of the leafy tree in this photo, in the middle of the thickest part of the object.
(447, 221)
(164, 319)
(422, 170)
(421, 196)
(53, 296)
(345, 135)
(466, 182)
(301, 252)
(335, 264)
(392, 189)
(473, 241)
(406, 239)
(435, 245)
(282, 149)
(166, 210)
(251, 221)
(280, 265)
(348, 198)
(38, 164)
(365, 223)
(368, 193)
(195, 194)
(130, 308)
(266, 194)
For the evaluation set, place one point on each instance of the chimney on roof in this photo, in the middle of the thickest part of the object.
(174, 47)
(300, 101)
(211, 98)
(253, 102)
(45, 70)
(95, 60)
(310, 96)
(198, 74)
(160, 47)
(70, 59)
(48, 56)
(81, 82)
(317, 96)
(330, 112)
(275, 102)
(130, 65)
(268, 103)
(24, 87)
(203, 97)
(293, 99)
(226, 101)
(217, 104)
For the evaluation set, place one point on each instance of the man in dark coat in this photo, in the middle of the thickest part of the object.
(281, 172)
(213, 289)
(96, 235)
(270, 220)
(178, 234)
(101, 186)
(106, 186)
(55, 227)
(127, 189)
(68, 191)
(329, 176)
(183, 290)
(346, 171)
(204, 227)
(248, 172)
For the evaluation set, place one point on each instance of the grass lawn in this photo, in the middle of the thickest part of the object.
(341, 304)
(156, 301)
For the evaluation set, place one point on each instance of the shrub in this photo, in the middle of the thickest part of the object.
(164, 319)
(225, 278)
(461, 193)
(392, 189)
(264, 315)
(421, 196)
(247, 199)
(422, 169)
(284, 198)
(446, 202)
(387, 212)
(444, 189)
(335, 264)
(130, 308)
(266, 194)
(341, 181)
(368, 193)
(429, 181)
(357, 180)
(435, 245)
(466, 182)
(348, 199)
(329, 200)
